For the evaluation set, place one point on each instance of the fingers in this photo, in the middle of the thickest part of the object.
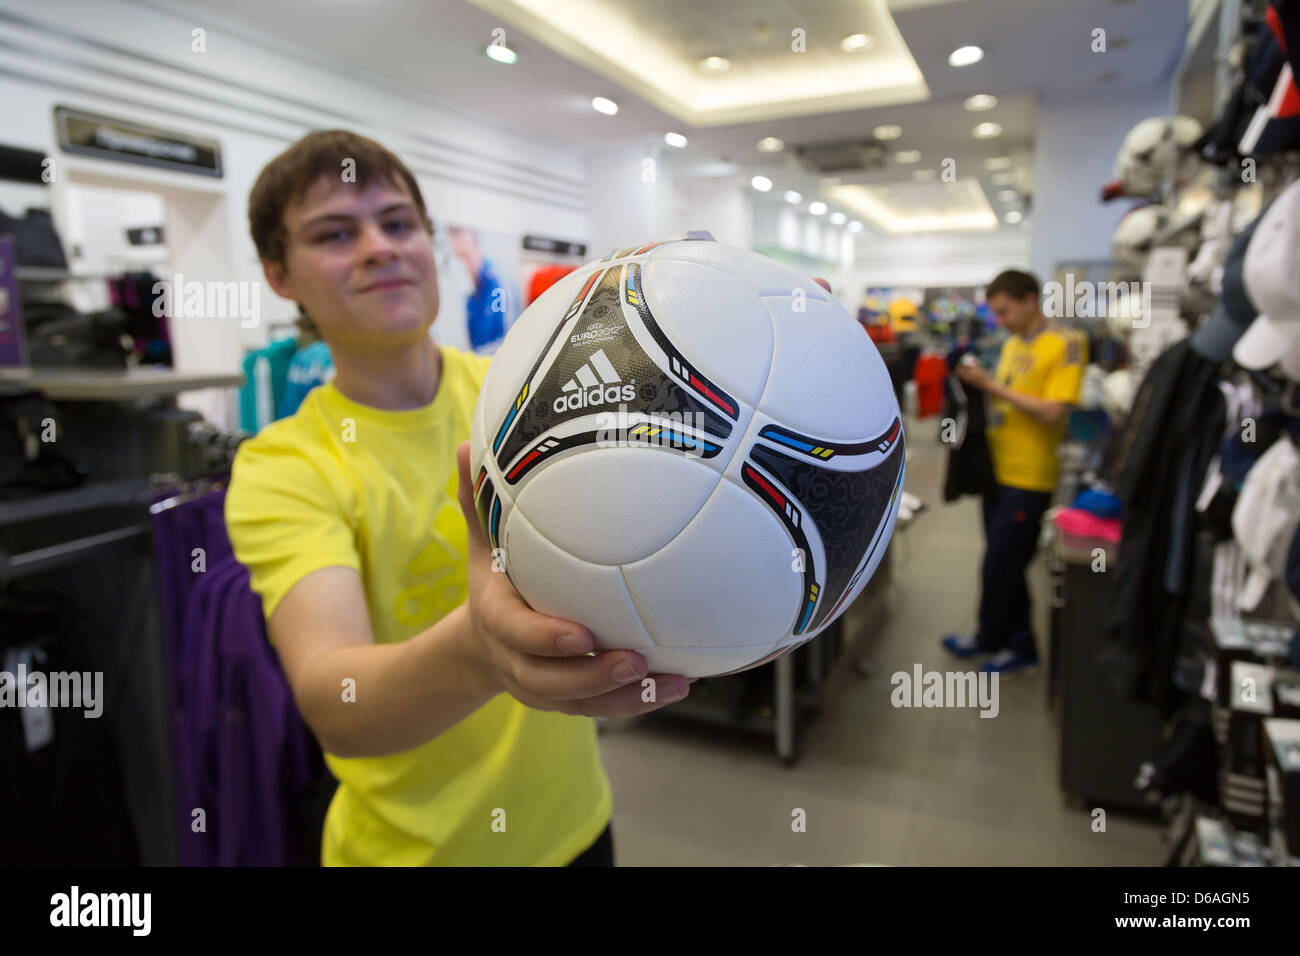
(579, 678)
(629, 701)
(521, 630)
(478, 546)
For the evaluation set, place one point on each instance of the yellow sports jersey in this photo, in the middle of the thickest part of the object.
(1050, 366)
(343, 484)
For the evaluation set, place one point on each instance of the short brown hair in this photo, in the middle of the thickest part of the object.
(286, 178)
(1014, 283)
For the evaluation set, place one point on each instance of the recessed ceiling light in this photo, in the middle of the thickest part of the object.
(715, 64)
(1003, 179)
(987, 130)
(888, 131)
(965, 56)
(1014, 216)
(793, 197)
(907, 156)
(770, 144)
(980, 102)
(998, 162)
(1008, 195)
(923, 175)
(856, 43)
(761, 183)
(501, 53)
(817, 207)
(602, 105)
(855, 226)
(675, 139)
(838, 218)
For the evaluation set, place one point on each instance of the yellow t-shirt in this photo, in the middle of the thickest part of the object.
(343, 484)
(1050, 366)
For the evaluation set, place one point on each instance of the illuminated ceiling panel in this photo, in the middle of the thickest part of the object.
(654, 48)
(920, 207)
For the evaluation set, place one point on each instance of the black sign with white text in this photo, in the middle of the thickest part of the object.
(127, 142)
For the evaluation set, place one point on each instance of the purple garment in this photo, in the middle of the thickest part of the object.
(242, 751)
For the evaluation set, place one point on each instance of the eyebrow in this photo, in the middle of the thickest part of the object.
(331, 217)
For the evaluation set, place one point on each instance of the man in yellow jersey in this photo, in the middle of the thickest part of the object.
(1030, 396)
(456, 719)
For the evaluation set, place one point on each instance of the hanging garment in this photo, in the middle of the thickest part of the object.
(243, 755)
(970, 466)
(266, 371)
(310, 366)
(62, 796)
(1178, 406)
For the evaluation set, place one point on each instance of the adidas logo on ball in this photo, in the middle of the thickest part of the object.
(586, 389)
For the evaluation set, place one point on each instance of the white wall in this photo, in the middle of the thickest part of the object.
(1077, 141)
(721, 206)
(936, 259)
(133, 62)
(630, 189)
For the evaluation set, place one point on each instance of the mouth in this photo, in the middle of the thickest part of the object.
(386, 285)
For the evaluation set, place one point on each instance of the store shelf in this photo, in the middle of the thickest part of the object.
(50, 274)
(107, 494)
(93, 384)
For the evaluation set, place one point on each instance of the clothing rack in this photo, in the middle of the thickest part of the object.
(82, 504)
(187, 491)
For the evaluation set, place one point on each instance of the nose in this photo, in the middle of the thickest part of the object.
(374, 245)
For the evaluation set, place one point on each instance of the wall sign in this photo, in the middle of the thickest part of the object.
(123, 141)
(145, 236)
(546, 244)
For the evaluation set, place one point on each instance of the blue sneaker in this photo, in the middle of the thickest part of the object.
(961, 646)
(1008, 662)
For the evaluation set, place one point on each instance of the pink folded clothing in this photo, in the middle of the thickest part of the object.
(1085, 524)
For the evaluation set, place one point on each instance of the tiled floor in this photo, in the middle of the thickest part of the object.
(877, 785)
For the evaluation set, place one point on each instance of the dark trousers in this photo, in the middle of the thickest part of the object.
(1011, 518)
(600, 853)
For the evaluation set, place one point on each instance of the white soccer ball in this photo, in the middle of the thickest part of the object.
(1155, 149)
(1135, 236)
(692, 450)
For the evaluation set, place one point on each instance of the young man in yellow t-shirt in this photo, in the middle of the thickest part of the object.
(1030, 395)
(456, 719)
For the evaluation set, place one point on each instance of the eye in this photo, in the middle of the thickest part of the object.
(399, 226)
(333, 235)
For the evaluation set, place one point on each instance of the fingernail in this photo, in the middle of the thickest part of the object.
(626, 671)
(573, 644)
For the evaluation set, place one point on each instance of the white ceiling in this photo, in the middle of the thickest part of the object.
(784, 57)
(1033, 49)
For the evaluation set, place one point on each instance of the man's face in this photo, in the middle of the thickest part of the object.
(1014, 315)
(360, 262)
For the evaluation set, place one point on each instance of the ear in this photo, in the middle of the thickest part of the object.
(277, 278)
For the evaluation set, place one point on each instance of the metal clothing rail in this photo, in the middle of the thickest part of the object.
(14, 566)
(37, 560)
